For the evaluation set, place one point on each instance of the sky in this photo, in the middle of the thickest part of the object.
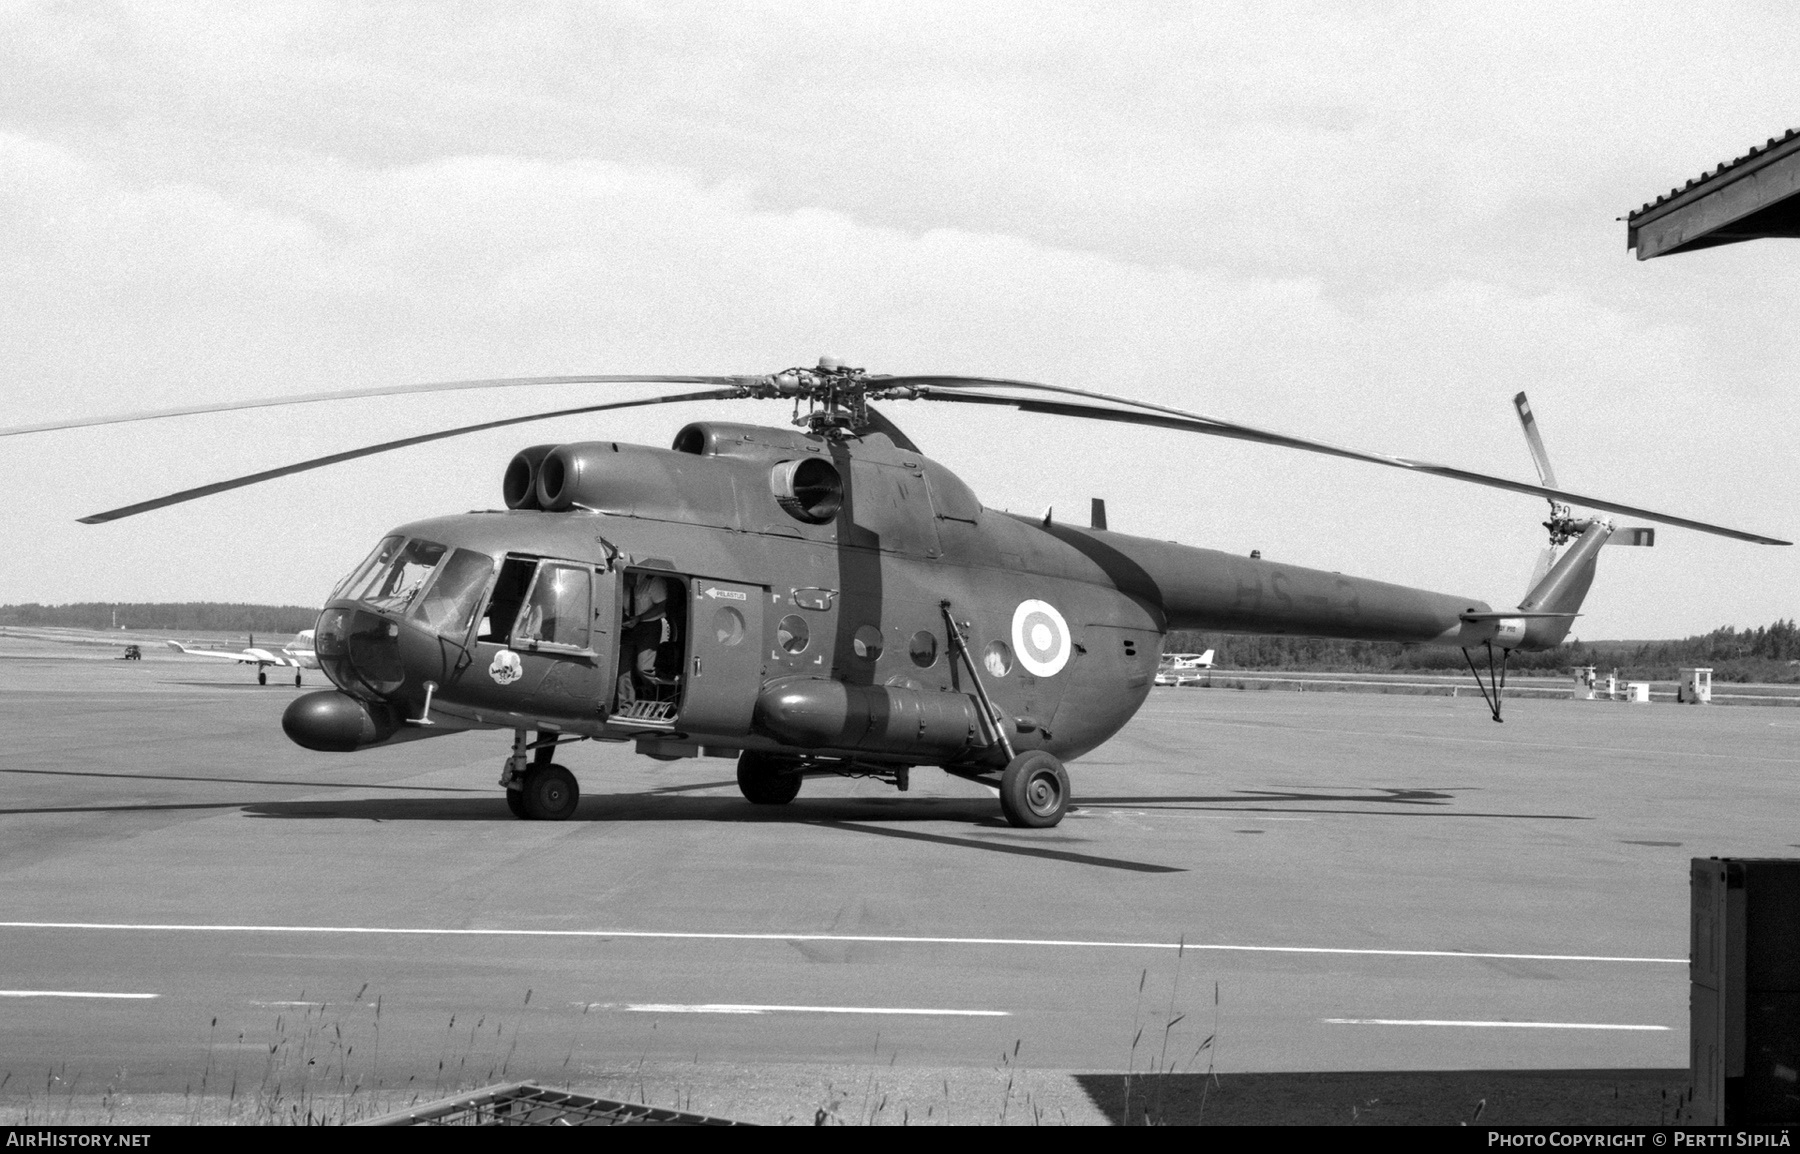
(1363, 223)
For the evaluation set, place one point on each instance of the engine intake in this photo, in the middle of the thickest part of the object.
(810, 489)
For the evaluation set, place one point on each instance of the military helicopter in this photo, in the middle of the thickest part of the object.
(825, 599)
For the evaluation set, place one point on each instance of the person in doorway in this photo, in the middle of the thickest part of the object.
(646, 628)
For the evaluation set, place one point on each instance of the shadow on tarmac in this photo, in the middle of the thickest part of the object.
(844, 814)
(1419, 803)
(312, 784)
(1032, 850)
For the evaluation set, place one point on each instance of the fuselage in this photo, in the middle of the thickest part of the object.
(869, 626)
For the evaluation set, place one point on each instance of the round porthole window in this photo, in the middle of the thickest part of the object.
(867, 642)
(923, 649)
(998, 658)
(792, 634)
(728, 625)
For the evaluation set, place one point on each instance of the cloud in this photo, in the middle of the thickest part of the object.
(1362, 229)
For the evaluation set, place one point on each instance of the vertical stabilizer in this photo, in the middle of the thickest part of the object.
(1562, 589)
(1545, 562)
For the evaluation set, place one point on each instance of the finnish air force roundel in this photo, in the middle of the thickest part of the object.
(1040, 638)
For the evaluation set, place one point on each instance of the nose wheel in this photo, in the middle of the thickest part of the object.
(542, 790)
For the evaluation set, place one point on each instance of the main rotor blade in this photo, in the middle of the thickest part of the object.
(1168, 418)
(1545, 473)
(380, 391)
(386, 446)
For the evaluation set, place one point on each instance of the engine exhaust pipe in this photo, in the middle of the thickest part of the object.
(520, 485)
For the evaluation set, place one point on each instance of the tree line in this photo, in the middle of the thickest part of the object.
(1768, 653)
(170, 616)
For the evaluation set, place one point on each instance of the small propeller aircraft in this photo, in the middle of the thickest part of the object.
(825, 599)
(297, 654)
(1183, 668)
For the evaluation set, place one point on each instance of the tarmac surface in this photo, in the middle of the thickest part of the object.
(201, 920)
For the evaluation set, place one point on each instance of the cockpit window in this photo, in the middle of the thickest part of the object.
(382, 557)
(448, 607)
(394, 577)
(557, 611)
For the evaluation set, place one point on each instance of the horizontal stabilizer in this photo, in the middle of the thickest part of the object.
(1502, 614)
(1634, 535)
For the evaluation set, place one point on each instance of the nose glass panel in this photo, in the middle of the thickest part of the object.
(360, 652)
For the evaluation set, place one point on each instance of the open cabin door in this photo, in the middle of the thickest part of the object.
(690, 653)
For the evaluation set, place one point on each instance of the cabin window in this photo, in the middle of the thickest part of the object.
(867, 643)
(998, 659)
(792, 634)
(923, 649)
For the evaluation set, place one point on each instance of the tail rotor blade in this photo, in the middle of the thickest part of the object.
(1545, 473)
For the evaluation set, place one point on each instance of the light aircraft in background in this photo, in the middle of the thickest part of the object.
(297, 654)
(1182, 668)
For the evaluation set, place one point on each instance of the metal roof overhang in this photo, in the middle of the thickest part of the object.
(1755, 196)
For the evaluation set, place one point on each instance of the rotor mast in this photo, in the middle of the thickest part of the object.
(836, 395)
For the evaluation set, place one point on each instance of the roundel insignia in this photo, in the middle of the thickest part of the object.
(1040, 638)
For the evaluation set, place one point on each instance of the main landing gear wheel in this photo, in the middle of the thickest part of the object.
(296, 681)
(549, 794)
(262, 678)
(767, 780)
(515, 801)
(1034, 790)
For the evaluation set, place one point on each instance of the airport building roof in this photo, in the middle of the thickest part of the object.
(1757, 195)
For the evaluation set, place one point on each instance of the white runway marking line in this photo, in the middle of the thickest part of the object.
(877, 939)
(1486, 1025)
(740, 1008)
(73, 994)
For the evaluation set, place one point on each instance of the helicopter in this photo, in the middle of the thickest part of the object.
(824, 599)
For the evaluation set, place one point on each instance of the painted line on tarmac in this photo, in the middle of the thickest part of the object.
(876, 939)
(737, 1008)
(71, 994)
(1487, 1025)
